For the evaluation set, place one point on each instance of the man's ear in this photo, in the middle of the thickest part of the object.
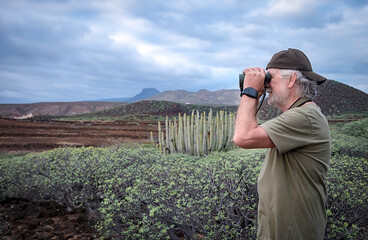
(292, 80)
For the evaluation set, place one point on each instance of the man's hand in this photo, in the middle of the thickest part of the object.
(254, 77)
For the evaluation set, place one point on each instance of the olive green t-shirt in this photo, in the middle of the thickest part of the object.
(291, 184)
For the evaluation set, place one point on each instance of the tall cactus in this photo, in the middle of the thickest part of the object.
(197, 134)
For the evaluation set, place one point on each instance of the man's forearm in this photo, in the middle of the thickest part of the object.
(245, 118)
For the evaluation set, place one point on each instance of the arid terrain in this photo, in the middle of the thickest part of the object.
(21, 219)
(31, 135)
(54, 108)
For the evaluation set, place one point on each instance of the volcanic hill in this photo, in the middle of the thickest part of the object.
(334, 98)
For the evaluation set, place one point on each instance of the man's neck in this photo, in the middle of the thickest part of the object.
(289, 103)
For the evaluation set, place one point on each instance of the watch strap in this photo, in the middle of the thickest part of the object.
(250, 92)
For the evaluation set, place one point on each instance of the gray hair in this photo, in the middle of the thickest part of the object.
(307, 87)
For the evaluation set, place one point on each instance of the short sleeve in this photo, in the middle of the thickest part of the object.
(290, 130)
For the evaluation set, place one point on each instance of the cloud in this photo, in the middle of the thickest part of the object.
(296, 13)
(77, 50)
(288, 8)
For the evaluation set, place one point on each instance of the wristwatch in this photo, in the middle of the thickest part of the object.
(250, 92)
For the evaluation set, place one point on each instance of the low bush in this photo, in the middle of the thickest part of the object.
(213, 197)
(350, 139)
(347, 202)
(357, 128)
(65, 175)
(135, 192)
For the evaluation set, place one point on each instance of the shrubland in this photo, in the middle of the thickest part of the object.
(136, 192)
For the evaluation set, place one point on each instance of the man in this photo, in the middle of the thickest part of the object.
(291, 184)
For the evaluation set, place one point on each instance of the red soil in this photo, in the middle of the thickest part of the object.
(21, 219)
(30, 135)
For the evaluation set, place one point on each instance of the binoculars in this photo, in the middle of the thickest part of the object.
(267, 80)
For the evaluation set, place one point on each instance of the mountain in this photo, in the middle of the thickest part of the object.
(144, 94)
(54, 108)
(148, 109)
(220, 97)
(70, 108)
(333, 98)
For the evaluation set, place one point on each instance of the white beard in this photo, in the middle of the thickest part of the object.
(277, 100)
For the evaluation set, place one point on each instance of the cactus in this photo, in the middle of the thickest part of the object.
(197, 134)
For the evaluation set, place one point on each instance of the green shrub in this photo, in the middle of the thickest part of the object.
(342, 144)
(347, 204)
(135, 192)
(357, 128)
(213, 197)
(350, 139)
(11, 178)
(65, 175)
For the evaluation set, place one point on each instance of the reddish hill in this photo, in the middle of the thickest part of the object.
(54, 108)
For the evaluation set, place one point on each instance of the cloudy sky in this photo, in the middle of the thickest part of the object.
(74, 50)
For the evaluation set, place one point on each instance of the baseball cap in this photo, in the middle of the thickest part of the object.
(295, 59)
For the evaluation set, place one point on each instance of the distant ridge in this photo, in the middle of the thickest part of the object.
(146, 109)
(334, 98)
(27, 110)
(144, 94)
(223, 97)
(53, 108)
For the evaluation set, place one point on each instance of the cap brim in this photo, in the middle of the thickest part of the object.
(314, 76)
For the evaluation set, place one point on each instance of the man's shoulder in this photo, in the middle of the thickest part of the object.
(292, 116)
(306, 116)
(307, 111)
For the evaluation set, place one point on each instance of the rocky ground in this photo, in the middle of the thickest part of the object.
(21, 219)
